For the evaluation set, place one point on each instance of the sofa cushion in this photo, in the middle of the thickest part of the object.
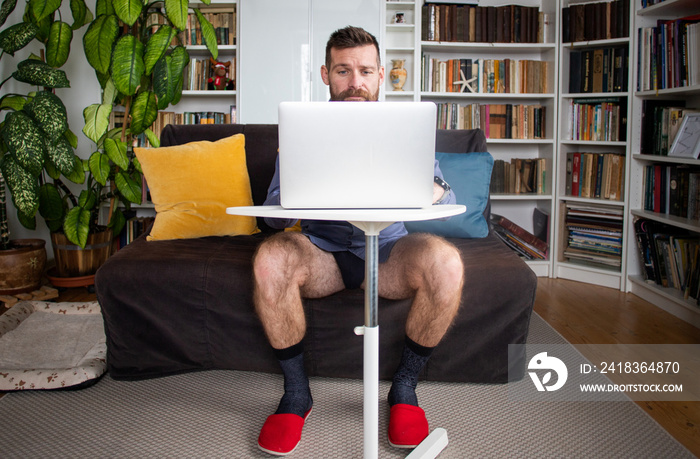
(193, 184)
(469, 175)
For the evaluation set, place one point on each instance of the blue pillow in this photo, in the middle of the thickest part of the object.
(469, 176)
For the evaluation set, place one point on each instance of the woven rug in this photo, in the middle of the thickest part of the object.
(219, 414)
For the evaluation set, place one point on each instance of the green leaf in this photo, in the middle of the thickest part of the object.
(96, 118)
(49, 113)
(117, 221)
(128, 187)
(8, 6)
(17, 37)
(176, 11)
(116, 151)
(51, 170)
(50, 202)
(25, 142)
(128, 10)
(109, 93)
(77, 226)
(38, 73)
(13, 102)
(208, 34)
(163, 82)
(26, 221)
(144, 112)
(72, 138)
(152, 139)
(157, 45)
(98, 42)
(61, 156)
(77, 175)
(42, 8)
(58, 45)
(103, 7)
(99, 167)
(87, 199)
(81, 14)
(23, 186)
(127, 64)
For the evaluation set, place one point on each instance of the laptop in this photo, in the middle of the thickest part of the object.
(356, 155)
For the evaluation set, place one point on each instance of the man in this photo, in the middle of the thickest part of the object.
(327, 257)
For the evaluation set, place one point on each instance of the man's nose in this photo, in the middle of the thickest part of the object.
(356, 80)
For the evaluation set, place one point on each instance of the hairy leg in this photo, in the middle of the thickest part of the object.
(429, 269)
(286, 268)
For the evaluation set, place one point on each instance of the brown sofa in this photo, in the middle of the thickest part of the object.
(186, 305)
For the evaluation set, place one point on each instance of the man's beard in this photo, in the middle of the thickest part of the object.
(366, 95)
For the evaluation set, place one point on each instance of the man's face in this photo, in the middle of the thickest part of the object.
(353, 74)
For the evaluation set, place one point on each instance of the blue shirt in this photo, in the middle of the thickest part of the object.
(336, 236)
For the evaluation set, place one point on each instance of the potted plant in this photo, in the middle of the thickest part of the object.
(36, 144)
(130, 46)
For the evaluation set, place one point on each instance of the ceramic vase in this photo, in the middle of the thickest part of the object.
(397, 74)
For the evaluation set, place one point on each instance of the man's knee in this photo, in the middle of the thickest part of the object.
(277, 256)
(441, 258)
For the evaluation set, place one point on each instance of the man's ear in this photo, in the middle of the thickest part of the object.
(381, 75)
(324, 75)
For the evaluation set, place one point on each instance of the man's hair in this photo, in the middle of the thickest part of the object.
(350, 37)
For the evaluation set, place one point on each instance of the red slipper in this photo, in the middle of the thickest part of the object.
(281, 433)
(407, 426)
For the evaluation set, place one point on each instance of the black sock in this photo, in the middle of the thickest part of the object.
(413, 359)
(297, 394)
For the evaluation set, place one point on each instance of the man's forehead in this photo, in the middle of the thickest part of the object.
(348, 57)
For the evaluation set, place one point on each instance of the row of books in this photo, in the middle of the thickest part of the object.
(498, 121)
(527, 175)
(661, 120)
(524, 243)
(599, 70)
(493, 76)
(595, 175)
(595, 21)
(670, 256)
(669, 54)
(594, 234)
(484, 24)
(222, 19)
(597, 119)
(196, 76)
(672, 189)
(133, 228)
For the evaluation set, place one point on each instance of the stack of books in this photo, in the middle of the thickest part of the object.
(601, 120)
(519, 239)
(519, 175)
(594, 234)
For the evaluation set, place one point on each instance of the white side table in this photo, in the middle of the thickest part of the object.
(371, 221)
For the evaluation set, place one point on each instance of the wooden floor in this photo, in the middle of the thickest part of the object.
(584, 313)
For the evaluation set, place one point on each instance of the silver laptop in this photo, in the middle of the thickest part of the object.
(356, 155)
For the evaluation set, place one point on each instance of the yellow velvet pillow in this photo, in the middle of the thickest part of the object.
(192, 185)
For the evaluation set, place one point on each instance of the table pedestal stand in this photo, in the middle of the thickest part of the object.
(436, 441)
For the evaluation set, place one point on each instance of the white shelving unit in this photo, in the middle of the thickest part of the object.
(599, 274)
(403, 41)
(212, 100)
(667, 298)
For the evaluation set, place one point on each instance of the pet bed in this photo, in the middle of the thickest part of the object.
(47, 345)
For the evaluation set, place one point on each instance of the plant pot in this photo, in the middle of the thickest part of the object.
(22, 266)
(74, 261)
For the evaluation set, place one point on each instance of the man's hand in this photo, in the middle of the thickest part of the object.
(438, 191)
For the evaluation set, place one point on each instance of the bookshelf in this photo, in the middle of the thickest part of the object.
(593, 142)
(528, 89)
(223, 14)
(669, 90)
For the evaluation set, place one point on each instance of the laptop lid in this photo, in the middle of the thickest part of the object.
(356, 155)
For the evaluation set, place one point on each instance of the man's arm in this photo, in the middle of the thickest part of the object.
(273, 199)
